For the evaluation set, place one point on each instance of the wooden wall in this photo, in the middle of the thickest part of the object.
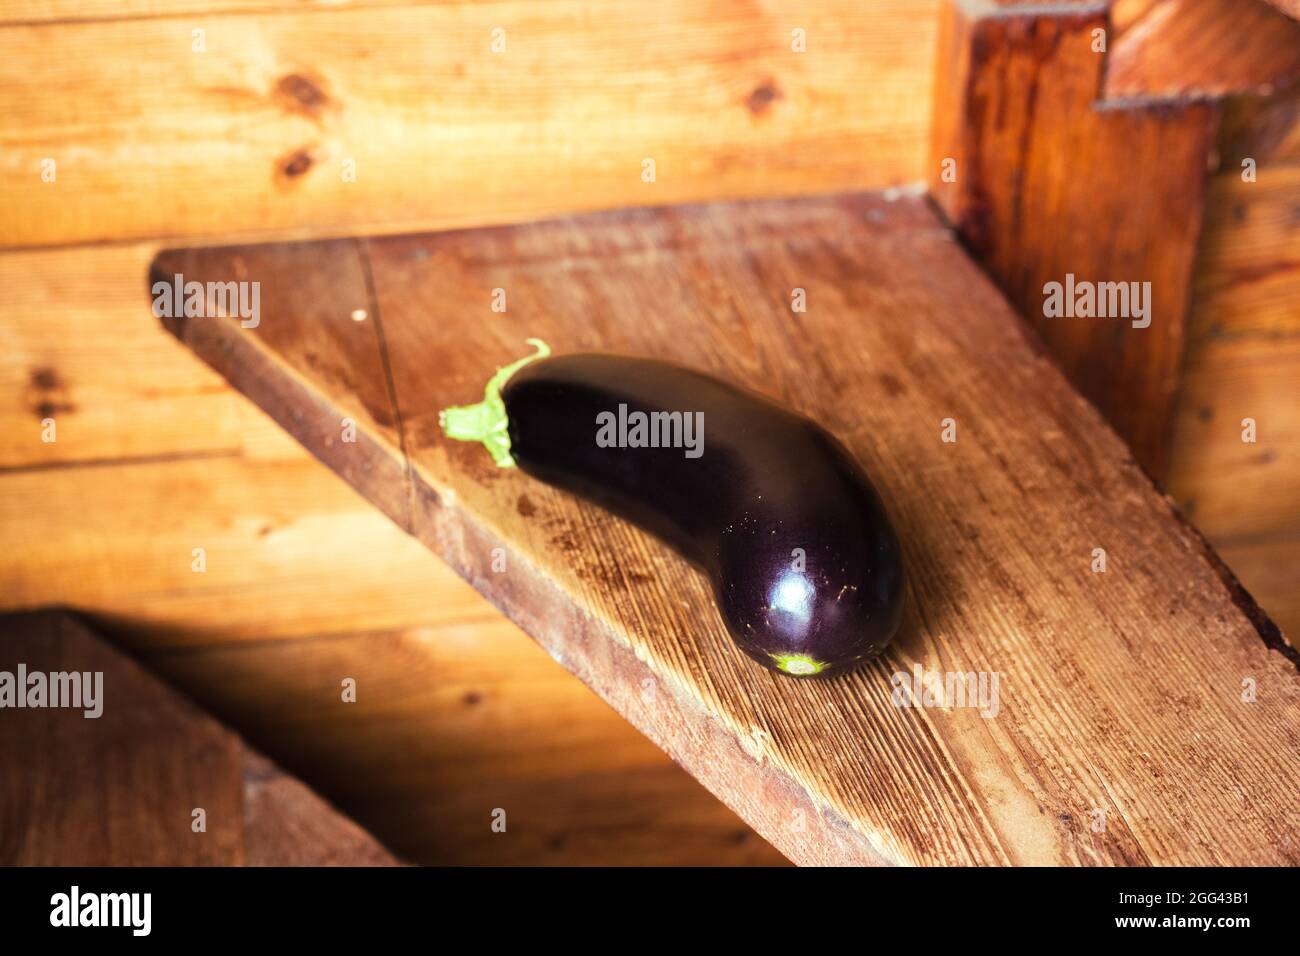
(1243, 356)
(254, 133)
(155, 142)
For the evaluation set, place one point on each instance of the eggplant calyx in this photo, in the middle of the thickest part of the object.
(486, 421)
(800, 665)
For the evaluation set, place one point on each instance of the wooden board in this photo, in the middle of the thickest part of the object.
(296, 563)
(1230, 487)
(1122, 691)
(1043, 181)
(120, 788)
(151, 138)
(1203, 48)
(288, 550)
(1243, 358)
(31, 12)
(156, 455)
(79, 350)
(1263, 128)
(1268, 566)
(1074, 159)
(452, 722)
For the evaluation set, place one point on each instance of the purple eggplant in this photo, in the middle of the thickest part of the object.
(806, 569)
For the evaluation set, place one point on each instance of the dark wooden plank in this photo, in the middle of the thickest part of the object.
(120, 788)
(287, 824)
(1113, 684)
(1049, 181)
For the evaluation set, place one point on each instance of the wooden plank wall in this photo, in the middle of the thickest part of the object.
(155, 456)
(1243, 361)
(1036, 189)
(1242, 352)
(387, 118)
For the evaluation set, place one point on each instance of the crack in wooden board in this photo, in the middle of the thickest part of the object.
(1121, 692)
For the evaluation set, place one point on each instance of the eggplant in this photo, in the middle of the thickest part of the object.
(805, 567)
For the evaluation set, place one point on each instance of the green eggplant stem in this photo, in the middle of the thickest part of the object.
(486, 421)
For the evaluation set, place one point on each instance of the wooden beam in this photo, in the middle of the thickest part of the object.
(79, 351)
(173, 458)
(32, 12)
(120, 788)
(1111, 682)
(1201, 48)
(1055, 153)
(382, 118)
(452, 722)
(1042, 181)
(119, 540)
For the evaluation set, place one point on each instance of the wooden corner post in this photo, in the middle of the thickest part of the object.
(1048, 182)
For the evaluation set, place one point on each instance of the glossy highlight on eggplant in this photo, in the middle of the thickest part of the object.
(805, 567)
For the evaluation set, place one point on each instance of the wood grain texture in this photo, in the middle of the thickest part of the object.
(1263, 128)
(152, 139)
(1268, 568)
(1127, 14)
(1243, 361)
(289, 550)
(31, 12)
(1290, 7)
(295, 560)
(1046, 187)
(452, 722)
(1228, 486)
(156, 454)
(1248, 271)
(1112, 683)
(119, 789)
(1203, 48)
(81, 348)
(287, 824)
